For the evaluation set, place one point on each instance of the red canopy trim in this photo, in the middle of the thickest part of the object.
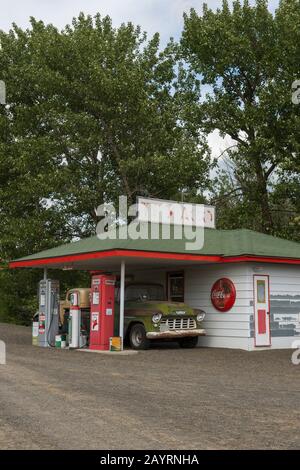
(149, 255)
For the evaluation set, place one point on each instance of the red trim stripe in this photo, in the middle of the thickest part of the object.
(260, 259)
(149, 255)
(111, 253)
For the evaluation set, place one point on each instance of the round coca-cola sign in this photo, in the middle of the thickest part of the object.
(223, 294)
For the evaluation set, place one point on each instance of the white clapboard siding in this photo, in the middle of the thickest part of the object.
(227, 332)
(202, 296)
(243, 299)
(226, 325)
(227, 317)
(223, 342)
(235, 310)
(287, 280)
(228, 329)
(284, 278)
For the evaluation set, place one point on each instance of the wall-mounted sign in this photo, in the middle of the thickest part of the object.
(223, 294)
(96, 298)
(95, 321)
(175, 213)
(43, 300)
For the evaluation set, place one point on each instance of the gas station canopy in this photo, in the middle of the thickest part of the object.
(220, 246)
(114, 254)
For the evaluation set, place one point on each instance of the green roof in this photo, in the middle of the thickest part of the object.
(216, 242)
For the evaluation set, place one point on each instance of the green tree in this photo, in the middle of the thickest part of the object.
(92, 112)
(250, 58)
(106, 113)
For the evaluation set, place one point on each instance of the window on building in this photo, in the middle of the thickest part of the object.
(176, 286)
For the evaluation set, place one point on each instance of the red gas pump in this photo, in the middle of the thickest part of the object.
(102, 311)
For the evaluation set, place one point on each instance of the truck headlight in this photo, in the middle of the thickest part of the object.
(200, 316)
(156, 317)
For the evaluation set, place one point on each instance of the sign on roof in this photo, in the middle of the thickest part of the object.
(176, 213)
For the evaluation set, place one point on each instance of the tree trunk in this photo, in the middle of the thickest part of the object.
(263, 198)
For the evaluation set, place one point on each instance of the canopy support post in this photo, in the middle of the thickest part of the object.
(122, 301)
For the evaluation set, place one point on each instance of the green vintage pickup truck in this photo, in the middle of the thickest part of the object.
(149, 316)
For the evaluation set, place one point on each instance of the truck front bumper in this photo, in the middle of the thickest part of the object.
(170, 334)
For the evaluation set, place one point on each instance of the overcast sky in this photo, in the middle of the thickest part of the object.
(164, 16)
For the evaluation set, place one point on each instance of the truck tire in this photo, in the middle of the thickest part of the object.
(137, 337)
(188, 343)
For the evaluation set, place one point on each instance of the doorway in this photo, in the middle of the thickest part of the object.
(262, 310)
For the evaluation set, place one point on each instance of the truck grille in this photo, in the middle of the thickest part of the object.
(178, 323)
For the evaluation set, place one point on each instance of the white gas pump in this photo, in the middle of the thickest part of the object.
(74, 321)
(76, 337)
(48, 312)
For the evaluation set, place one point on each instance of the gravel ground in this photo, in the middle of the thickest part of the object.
(164, 398)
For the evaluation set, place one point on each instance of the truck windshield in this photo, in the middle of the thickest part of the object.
(145, 292)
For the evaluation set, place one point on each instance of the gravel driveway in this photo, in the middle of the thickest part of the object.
(164, 398)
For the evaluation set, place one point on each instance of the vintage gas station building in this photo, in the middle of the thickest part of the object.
(248, 283)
